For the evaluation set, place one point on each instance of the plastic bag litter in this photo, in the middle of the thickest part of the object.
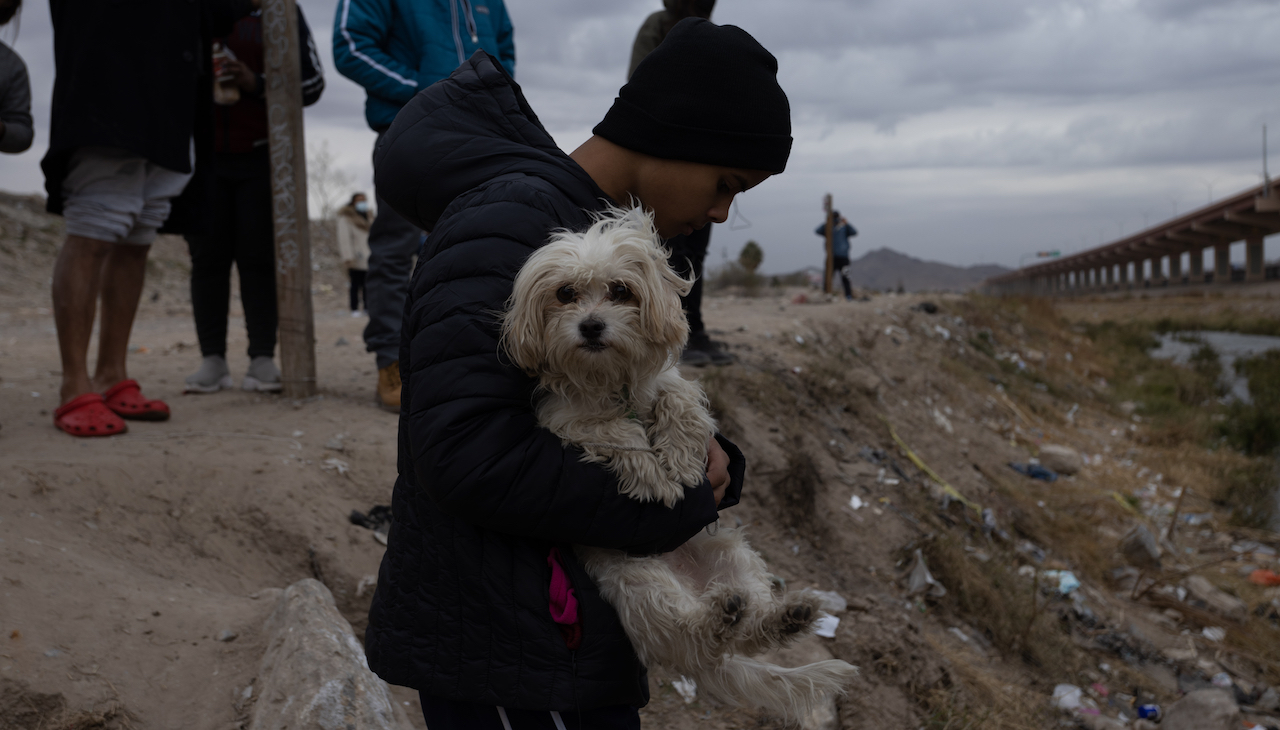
(832, 602)
(687, 688)
(1214, 633)
(1067, 581)
(826, 626)
(1035, 471)
(856, 502)
(922, 581)
(1067, 696)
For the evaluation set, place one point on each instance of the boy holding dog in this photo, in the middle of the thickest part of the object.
(487, 504)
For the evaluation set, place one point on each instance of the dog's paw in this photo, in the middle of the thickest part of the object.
(797, 618)
(732, 608)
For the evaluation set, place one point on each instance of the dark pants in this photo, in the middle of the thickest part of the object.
(841, 265)
(357, 288)
(240, 232)
(687, 256)
(444, 714)
(393, 241)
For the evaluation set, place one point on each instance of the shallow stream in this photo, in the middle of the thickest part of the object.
(1230, 346)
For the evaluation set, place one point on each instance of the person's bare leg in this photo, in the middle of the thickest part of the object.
(123, 274)
(77, 278)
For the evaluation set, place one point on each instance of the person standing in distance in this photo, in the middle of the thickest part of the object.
(354, 220)
(688, 250)
(840, 236)
(394, 49)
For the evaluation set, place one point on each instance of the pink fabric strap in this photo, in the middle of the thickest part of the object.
(564, 605)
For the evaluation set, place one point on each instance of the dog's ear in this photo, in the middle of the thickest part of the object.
(660, 305)
(523, 324)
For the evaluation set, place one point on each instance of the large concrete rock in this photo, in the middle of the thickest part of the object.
(1141, 549)
(313, 674)
(1225, 604)
(1204, 709)
(1062, 459)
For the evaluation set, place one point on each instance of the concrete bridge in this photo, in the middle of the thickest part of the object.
(1167, 254)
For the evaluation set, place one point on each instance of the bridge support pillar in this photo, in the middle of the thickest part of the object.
(1124, 276)
(1157, 271)
(1222, 263)
(1196, 274)
(1175, 268)
(1253, 264)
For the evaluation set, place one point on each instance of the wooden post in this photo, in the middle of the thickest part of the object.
(831, 256)
(283, 75)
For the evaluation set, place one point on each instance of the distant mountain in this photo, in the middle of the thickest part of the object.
(884, 268)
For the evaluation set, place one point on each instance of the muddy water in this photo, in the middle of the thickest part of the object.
(1230, 346)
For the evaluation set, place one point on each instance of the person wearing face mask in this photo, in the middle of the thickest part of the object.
(354, 220)
(15, 92)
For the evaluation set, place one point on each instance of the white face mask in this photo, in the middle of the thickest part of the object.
(362, 206)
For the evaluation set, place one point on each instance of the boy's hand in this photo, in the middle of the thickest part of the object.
(717, 468)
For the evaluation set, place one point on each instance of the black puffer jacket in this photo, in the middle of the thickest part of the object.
(461, 609)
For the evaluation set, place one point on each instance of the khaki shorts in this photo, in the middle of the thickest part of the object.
(113, 195)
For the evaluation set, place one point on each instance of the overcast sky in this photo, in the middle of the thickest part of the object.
(963, 131)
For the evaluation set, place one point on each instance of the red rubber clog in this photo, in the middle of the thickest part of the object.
(88, 415)
(126, 399)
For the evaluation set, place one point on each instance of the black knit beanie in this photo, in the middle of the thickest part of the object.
(708, 93)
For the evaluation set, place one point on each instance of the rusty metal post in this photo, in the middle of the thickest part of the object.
(282, 67)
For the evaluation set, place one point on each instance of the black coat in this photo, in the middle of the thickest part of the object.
(138, 76)
(461, 607)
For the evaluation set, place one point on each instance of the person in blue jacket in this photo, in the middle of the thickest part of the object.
(840, 236)
(394, 49)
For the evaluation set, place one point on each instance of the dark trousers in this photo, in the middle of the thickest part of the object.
(393, 241)
(841, 265)
(357, 288)
(240, 232)
(444, 714)
(687, 256)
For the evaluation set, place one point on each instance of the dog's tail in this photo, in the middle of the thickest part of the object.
(791, 693)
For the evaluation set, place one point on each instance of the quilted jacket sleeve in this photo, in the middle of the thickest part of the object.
(474, 446)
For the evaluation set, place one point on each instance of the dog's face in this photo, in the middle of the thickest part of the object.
(598, 306)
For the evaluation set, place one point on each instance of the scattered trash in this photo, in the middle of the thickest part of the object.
(342, 342)
(1141, 549)
(378, 519)
(335, 443)
(1264, 577)
(856, 502)
(1067, 581)
(796, 370)
(298, 434)
(959, 634)
(366, 585)
(1035, 552)
(1214, 633)
(1071, 414)
(1149, 712)
(335, 464)
(946, 488)
(1062, 459)
(926, 307)
(943, 422)
(989, 526)
(1200, 589)
(799, 340)
(1221, 680)
(1027, 571)
(946, 333)
(1035, 471)
(685, 687)
(227, 635)
(922, 581)
(797, 299)
(826, 626)
(1067, 696)
(832, 602)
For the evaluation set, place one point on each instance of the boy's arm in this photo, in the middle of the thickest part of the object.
(821, 230)
(475, 446)
(312, 71)
(360, 27)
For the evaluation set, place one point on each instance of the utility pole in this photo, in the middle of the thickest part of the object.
(831, 227)
(281, 57)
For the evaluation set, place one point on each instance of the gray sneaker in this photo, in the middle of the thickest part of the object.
(262, 376)
(213, 376)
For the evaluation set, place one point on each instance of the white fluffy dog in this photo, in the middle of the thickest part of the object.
(596, 317)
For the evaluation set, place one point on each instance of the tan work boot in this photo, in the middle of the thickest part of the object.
(389, 387)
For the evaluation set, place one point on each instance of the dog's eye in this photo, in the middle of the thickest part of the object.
(566, 294)
(619, 293)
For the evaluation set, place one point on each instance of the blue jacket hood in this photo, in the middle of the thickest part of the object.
(396, 48)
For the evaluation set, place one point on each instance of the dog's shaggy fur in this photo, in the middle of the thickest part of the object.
(596, 317)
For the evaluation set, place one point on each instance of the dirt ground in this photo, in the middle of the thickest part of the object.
(130, 566)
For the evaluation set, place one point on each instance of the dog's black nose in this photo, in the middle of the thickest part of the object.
(591, 329)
